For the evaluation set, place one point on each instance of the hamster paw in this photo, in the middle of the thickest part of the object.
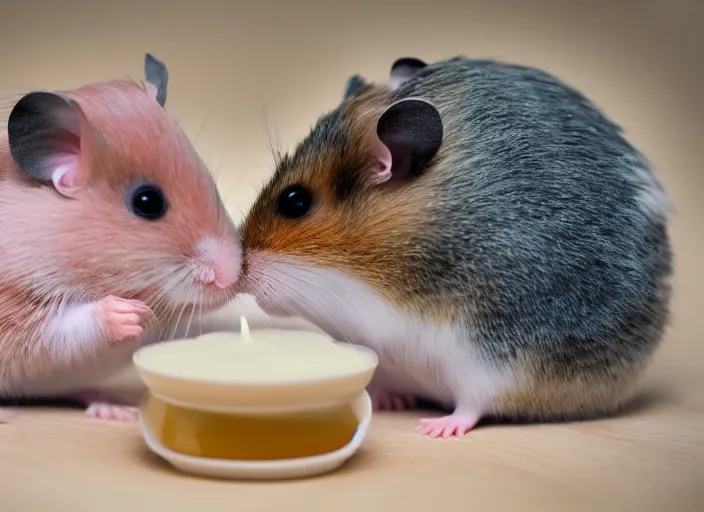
(122, 318)
(454, 425)
(106, 411)
(98, 405)
(389, 401)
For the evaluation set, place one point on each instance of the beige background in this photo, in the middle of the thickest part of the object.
(240, 70)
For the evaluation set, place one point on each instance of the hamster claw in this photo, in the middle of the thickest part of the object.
(106, 411)
(454, 425)
(389, 401)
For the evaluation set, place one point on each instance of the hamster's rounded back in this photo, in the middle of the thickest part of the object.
(489, 195)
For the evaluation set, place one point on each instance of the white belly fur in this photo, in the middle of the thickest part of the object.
(428, 360)
(92, 374)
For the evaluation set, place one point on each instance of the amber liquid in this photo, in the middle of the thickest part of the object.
(243, 437)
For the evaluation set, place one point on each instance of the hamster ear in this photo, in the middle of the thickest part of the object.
(356, 85)
(403, 69)
(46, 133)
(157, 78)
(409, 135)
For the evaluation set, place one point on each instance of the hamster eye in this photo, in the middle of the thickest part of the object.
(147, 201)
(294, 202)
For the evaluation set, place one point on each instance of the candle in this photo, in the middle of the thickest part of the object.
(259, 357)
(254, 395)
(244, 329)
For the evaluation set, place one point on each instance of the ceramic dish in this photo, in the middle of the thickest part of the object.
(266, 470)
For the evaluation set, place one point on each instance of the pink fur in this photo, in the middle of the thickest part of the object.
(83, 277)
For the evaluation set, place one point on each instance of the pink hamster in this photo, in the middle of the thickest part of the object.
(112, 228)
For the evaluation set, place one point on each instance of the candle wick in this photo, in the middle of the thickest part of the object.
(244, 330)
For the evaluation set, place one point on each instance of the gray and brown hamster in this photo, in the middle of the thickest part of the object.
(485, 229)
(112, 229)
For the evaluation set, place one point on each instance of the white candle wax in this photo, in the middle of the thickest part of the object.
(258, 357)
(244, 329)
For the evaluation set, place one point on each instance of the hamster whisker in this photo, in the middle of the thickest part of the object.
(178, 320)
(249, 312)
(274, 145)
(196, 140)
(324, 289)
(322, 301)
(174, 279)
(325, 307)
(188, 324)
(337, 283)
(179, 286)
(200, 313)
(157, 304)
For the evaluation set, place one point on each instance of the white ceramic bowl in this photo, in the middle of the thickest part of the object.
(267, 470)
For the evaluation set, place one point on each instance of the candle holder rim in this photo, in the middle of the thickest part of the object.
(374, 363)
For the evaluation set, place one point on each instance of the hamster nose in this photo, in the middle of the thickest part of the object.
(219, 261)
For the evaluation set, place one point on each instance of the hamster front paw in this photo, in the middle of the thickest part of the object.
(388, 401)
(121, 318)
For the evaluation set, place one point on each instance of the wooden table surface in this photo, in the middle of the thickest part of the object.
(651, 458)
(245, 73)
(648, 460)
